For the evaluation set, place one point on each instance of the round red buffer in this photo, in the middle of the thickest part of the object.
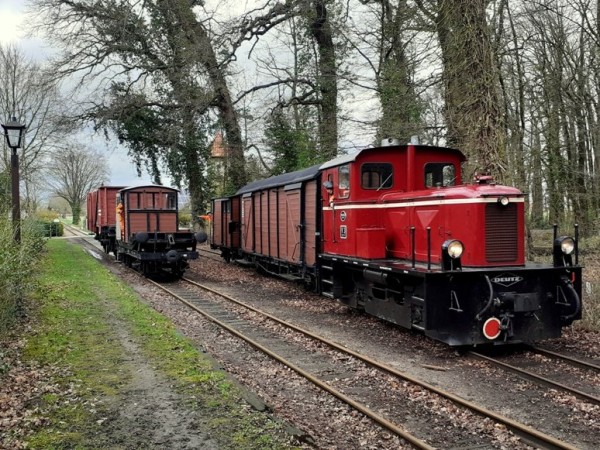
(491, 328)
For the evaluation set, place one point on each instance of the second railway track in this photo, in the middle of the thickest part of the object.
(327, 369)
(551, 367)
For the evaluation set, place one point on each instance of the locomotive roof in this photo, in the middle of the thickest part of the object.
(281, 180)
(345, 159)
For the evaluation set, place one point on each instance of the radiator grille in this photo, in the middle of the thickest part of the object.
(501, 233)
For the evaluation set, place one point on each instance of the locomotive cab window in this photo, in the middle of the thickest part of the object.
(376, 176)
(439, 175)
(344, 181)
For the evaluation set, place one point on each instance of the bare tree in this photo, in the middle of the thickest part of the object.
(28, 94)
(382, 36)
(73, 172)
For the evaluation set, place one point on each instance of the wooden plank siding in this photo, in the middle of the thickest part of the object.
(282, 224)
(310, 223)
(273, 225)
(263, 247)
(234, 217)
(145, 221)
(292, 220)
(219, 233)
(248, 224)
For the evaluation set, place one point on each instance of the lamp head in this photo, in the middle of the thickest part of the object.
(13, 131)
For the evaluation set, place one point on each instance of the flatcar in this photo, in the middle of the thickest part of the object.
(148, 237)
(393, 231)
(102, 216)
(139, 225)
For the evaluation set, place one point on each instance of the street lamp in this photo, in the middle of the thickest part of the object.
(13, 131)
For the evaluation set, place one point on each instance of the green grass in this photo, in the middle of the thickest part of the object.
(77, 297)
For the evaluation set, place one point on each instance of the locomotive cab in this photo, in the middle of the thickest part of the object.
(361, 190)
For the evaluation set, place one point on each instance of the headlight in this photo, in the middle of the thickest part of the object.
(503, 201)
(567, 245)
(562, 250)
(455, 249)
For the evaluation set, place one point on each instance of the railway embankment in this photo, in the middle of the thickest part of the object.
(94, 367)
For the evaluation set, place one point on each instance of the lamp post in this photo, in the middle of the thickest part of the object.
(13, 131)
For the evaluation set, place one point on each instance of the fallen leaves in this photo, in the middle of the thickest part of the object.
(22, 387)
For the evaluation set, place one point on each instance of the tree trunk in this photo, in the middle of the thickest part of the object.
(472, 102)
(235, 170)
(401, 113)
(76, 211)
(326, 79)
(536, 183)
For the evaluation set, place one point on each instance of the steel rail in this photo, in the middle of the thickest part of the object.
(540, 379)
(522, 430)
(76, 231)
(575, 361)
(213, 256)
(323, 385)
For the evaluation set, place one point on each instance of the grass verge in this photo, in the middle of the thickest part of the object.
(79, 301)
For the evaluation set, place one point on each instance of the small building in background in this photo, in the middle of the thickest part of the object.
(218, 154)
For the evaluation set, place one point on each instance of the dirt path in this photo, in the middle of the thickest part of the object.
(148, 412)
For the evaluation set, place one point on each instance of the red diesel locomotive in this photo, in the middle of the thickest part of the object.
(394, 232)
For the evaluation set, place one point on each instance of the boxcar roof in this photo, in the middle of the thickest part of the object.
(154, 186)
(344, 159)
(281, 180)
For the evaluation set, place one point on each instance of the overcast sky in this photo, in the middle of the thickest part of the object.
(12, 30)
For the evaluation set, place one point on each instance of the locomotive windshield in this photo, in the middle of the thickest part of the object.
(377, 176)
(439, 174)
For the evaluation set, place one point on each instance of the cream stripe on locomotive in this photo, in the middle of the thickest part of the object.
(457, 201)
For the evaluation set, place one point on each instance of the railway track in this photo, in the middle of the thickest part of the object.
(73, 232)
(206, 252)
(325, 376)
(574, 361)
(545, 371)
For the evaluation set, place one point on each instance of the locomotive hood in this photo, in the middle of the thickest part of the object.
(469, 191)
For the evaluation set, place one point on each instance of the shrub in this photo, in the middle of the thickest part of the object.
(17, 266)
(185, 219)
(49, 229)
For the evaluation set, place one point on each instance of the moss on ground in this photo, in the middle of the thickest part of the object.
(79, 301)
